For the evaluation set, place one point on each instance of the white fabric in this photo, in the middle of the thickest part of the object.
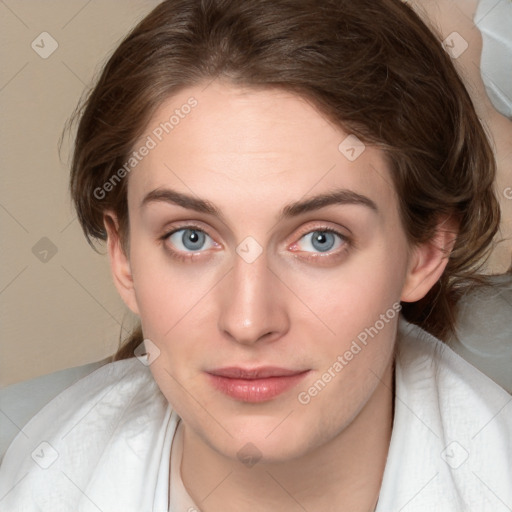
(494, 19)
(111, 435)
(180, 499)
(21, 401)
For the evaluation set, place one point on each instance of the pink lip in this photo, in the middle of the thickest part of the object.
(255, 384)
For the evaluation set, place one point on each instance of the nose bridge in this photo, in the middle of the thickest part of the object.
(251, 307)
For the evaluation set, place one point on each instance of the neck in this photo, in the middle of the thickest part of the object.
(343, 474)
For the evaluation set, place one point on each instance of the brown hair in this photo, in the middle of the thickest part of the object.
(371, 66)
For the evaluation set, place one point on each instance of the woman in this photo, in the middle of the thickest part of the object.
(294, 196)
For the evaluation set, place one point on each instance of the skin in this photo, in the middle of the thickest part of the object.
(251, 153)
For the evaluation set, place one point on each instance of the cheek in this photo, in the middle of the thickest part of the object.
(167, 292)
(346, 297)
(351, 298)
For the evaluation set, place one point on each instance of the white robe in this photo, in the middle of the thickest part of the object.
(494, 19)
(103, 444)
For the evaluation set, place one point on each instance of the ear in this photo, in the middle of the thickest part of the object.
(428, 261)
(119, 262)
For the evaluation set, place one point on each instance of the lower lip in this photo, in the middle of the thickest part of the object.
(255, 390)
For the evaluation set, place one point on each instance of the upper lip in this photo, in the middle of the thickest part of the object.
(262, 372)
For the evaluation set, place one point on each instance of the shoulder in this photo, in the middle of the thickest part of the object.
(421, 357)
(23, 400)
(109, 416)
(451, 430)
(446, 388)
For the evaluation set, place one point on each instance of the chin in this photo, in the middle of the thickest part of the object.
(264, 440)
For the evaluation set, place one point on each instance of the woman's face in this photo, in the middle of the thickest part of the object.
(287, 262)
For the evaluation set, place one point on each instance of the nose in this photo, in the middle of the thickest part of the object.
(252, 305)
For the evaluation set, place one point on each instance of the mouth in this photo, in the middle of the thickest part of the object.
(256, 384)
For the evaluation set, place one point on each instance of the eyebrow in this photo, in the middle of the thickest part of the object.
(336, 197)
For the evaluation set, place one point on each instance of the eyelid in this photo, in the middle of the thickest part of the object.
(187, 226)
(184, 256)
(168, 230)
(345, 239)
(322, 227)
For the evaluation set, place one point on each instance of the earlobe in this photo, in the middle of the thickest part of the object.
(119, 263)
(428, 261)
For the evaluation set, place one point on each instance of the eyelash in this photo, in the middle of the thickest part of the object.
(188, 257)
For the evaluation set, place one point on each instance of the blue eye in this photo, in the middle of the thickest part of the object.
(324, 240)
(188, 239)
(190, 242)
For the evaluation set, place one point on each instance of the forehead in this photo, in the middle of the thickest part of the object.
(234, 144)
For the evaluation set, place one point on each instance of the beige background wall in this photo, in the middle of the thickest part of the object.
(58, 306)
(64, 311)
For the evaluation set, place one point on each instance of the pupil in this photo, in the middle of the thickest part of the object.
(321, 240)
(192, 239)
